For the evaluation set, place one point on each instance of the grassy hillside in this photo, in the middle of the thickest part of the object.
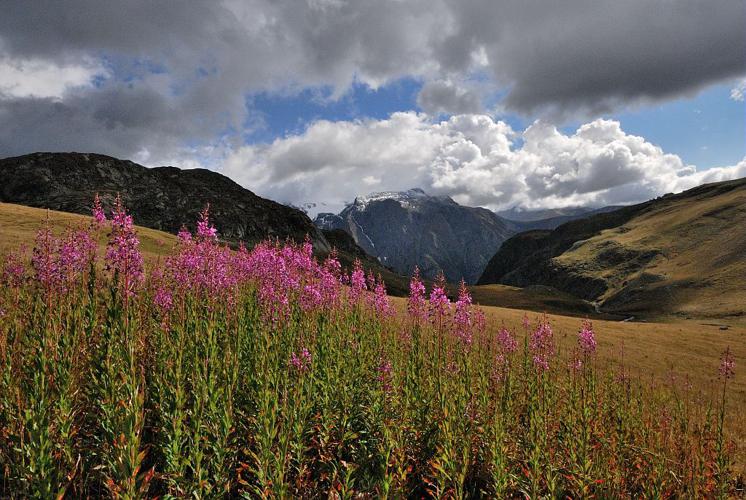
(676, 256)
(19, 225)
(685, 257)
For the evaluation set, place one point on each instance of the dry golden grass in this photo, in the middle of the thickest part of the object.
(701, 264)
(19, 225)
(541, 299)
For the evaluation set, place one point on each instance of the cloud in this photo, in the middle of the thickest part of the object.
(738, 92)
(43, 79)
(470, 157)
(199, 60)
(443, 96)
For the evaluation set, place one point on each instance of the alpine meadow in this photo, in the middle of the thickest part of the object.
(269, 373)
(373, 249)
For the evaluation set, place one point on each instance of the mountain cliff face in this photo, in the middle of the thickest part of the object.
(410, 228)
(679, 254)
(161, 198)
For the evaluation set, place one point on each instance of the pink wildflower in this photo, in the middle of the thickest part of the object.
(462, 320)
(184, 235)
(13, 271)
(163, 299)
(542, 345)
(381, 300)
(98, 212)
(357, 282)
(301, 362)
(506, 345)
(311, 297)
(727, 364)
(587, 339)
(332, 265)
(506, 342)
(44, 259)
(416, 302)
(204, 229)
(526, 323)
(439, 302)
(77, 251)
(123, 254)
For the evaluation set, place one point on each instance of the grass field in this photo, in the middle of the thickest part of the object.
(678, 356)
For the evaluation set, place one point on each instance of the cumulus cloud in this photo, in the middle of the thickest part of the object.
(472, 158)
(198, 60)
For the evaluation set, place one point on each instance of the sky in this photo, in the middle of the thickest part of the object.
(496, 103)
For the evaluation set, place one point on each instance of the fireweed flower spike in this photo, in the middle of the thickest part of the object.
(542, 345)
(44, 258)
(506, 342)
(727, 365)
(13, 271)
(123, 256)
(381, 299)
(439, 302)
(416, 306)
(462, 320)
(587, 339)
(204, 229)
(357, 282)
(98, 212)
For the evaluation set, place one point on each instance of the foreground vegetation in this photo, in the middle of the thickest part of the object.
(267, 373)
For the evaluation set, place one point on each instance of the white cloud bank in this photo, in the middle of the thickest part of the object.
(471, 157)
(22, 78)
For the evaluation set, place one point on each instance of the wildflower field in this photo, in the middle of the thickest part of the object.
(266, 373)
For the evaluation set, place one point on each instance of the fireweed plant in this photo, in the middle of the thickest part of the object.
(268, 373)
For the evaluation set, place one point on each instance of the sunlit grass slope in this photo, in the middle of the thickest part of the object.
(19, 225)
(685, 257)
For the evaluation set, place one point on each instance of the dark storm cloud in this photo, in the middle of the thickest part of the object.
(600, 54)
(179, 72)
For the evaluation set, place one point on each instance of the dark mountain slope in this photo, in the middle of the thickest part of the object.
(161, 198)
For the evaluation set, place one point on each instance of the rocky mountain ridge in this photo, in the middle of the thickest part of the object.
(161, 198)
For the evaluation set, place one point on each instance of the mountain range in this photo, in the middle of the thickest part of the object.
(404, 229)
(682, 254)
